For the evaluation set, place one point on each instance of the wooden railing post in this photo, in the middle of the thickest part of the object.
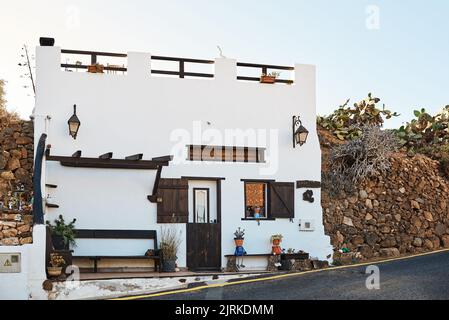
(181, 68)
(93, 59)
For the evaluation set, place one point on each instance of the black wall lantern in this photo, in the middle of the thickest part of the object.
(300, 133)
(74, 123)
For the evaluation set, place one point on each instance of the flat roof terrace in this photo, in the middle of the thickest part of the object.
(76, 60)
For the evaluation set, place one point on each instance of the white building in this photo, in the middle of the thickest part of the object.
(138, 110)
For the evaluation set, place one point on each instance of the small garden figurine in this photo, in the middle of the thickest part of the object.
(239, 250)
(276, 241)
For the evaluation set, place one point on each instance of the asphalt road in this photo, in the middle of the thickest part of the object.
(423, 277)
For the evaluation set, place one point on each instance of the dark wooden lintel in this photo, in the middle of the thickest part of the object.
(51, 205)
(48, 185)
(107, 155)
(135, 157)
(107, 163)
(203, 178)
(308, 184)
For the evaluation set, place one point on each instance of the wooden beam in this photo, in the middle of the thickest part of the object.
(51, 205)
(77, 154)
(163, 158)
(153, 198)
(107, 163)
(107, 155)
(308, 184)
(135, 157)
(203, 178)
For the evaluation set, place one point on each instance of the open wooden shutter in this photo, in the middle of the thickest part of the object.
(282, 199)
(174, 206)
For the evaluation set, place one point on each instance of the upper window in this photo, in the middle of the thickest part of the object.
(225, 153)
(255, 200)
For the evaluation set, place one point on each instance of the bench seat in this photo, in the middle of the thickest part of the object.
(96, 258)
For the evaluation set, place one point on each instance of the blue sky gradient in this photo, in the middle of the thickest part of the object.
(405, 62)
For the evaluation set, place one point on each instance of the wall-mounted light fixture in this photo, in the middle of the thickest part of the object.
(300, 133)
(74, 123)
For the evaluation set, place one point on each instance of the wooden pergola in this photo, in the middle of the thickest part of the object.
(104, 161)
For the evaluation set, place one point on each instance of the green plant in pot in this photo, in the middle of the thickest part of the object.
(62, 234)
(170, 242)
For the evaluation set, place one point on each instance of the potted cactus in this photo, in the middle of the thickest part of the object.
(276, 239)
(239, 237)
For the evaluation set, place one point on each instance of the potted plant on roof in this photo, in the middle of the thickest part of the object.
(170, 242)
(95, 68)
(62, 234)
(270, 77)
(56, 262)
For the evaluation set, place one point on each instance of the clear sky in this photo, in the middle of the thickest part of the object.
(396, 49)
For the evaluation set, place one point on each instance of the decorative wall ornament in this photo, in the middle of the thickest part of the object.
(308, 196)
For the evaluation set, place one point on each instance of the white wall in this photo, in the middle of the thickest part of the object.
(28, 283)
(137, 113)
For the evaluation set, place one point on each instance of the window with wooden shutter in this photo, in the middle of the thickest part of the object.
(174, 205)
(282, 199)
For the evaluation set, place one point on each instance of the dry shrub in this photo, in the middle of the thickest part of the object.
(360, 159)
(170, 242)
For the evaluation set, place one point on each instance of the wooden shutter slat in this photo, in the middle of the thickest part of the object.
(282, 200)
(174, 206)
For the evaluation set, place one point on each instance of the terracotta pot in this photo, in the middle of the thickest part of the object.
(276, 242)
(267, 79)
(54, 271)
(238, 242)
(95, 68)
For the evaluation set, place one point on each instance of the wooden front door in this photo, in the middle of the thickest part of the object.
(204, 246)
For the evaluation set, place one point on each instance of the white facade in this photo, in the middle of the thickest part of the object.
(138, 112)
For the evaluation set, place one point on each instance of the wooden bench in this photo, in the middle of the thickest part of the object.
(119, 234)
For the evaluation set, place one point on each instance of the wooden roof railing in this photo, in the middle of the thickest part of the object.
(180, 72)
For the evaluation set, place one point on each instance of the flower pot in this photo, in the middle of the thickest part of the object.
(168, 265)
(58, 243)
(276, 242)
(95, 68)
(238, 242)
(267, 79)
(54, 271)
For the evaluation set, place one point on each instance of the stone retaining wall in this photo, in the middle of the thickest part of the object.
(16, 171)
(404, 212)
